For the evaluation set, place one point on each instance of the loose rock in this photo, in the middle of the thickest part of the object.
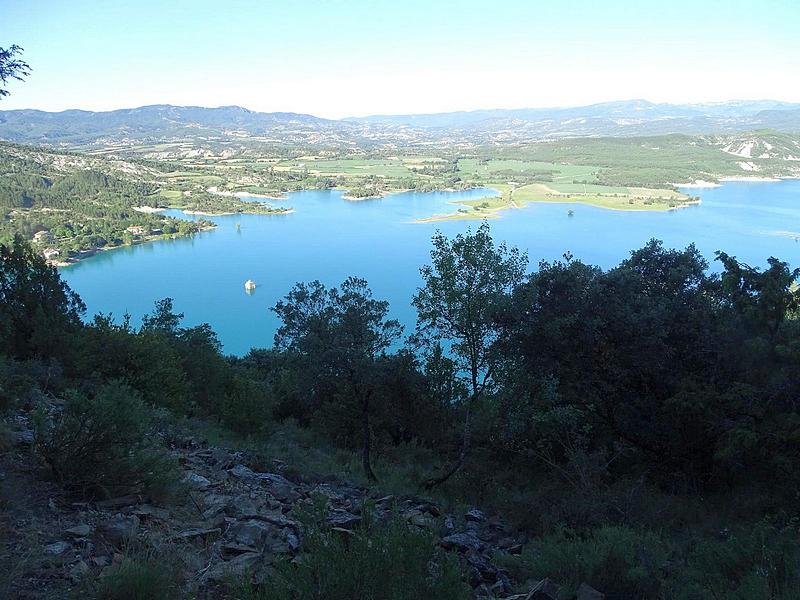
(57, 548)
(80, 531)
(119, 529)
(544, 590)
(344, 519)
(587, 592)
(250, 533)
(475, 515)
(190, 534)
(461, 542)
(233, 568)
(196, 481)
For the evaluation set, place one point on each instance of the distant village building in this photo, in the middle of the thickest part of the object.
(51, 253)
(135, 230)
(41, 236)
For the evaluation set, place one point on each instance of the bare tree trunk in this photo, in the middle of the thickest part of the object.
(366, 441)
(465, 440)
(462, 455)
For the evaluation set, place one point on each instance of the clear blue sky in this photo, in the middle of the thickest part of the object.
(337, 58)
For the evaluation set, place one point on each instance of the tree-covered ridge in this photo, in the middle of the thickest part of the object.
(638, 425)
(74, 204)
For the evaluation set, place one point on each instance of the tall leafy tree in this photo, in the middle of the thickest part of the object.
(634, 351)
(38, 311)
(764, 298)
(469, 281)
(340, 333)
(163, 319)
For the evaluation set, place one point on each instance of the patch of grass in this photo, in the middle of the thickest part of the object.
(544, 193)
(194, 178)
(570, 187)
(145, 577)
(759, 563)
(171, 195)
(302, 454)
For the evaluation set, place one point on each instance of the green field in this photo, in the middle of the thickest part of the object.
(349, 166)
(171, 196)
(629, 200)
(189, 178)
(585, 188)
(553, 171)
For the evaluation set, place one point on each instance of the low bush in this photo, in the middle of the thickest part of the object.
(759, 564)
(246, 407)
(100, 444)
(620, 562)
(139, 578)
(378, 561)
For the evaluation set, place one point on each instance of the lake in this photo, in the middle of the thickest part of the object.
(329, 238)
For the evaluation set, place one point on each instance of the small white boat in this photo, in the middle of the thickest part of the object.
(249, 285)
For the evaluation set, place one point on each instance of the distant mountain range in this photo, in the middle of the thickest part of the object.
(150, 124)
(626, 110)
(157, 122)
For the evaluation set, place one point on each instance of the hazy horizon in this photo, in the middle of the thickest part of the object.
(341, 59)
(731, 101)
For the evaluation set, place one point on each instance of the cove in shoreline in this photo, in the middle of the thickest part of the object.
(330, 239)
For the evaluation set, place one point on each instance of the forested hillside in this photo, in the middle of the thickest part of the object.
(72, 204)
(633, 431)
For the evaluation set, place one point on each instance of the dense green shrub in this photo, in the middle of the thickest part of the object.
(620, 562)
(147, 361)
(99, 444)
(39, 313)
(377, 562)
(688, 375)
(245, 407)
(760, 564)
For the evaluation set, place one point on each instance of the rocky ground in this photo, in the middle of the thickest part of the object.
(230, 520)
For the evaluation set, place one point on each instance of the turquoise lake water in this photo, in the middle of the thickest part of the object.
(328, 238)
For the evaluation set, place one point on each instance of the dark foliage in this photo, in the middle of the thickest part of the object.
(643, 411)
